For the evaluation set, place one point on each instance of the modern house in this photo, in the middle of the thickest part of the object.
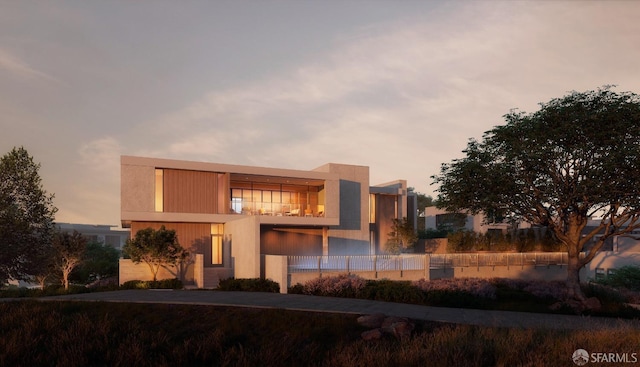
(229, 216)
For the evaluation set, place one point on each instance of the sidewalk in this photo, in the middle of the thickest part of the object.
(354, 306)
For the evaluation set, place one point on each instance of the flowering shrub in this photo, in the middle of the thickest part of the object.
(474, 286)
(555, 290)
(343, 285)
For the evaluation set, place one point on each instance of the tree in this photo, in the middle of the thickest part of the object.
(100, 261)
(26, 216)
(155, 248)
(402, 236)
(423, 201)
(578, 156)
(68, 251)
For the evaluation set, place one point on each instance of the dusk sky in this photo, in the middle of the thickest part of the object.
(399, 86)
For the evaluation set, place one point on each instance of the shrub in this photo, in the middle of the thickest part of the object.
(546, 290)
(625, 277)
(249, 285)
(343, 285)
(473, 286)
(392, 291)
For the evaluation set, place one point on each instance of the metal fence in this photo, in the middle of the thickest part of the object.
(360, 263)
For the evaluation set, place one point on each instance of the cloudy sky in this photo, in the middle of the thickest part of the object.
(399, 86)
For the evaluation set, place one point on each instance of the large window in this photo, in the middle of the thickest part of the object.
(217, 233)
(159, 190)
(253, 198)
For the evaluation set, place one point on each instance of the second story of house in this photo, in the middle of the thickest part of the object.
(165, 190)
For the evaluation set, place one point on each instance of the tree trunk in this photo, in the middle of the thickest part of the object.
(574, 291)
(65, 280)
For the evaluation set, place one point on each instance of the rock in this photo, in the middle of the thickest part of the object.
(399, 327)
(371, 321)
(374, 334)
(593, 304)
(556, 306)
(388, 321)
(402, 329)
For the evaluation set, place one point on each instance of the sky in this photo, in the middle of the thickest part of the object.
(399, 86)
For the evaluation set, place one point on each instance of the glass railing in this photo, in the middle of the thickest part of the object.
(276, 209)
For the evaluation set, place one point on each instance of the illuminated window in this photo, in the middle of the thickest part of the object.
(372, 208)
(159, 190)
(216, 244)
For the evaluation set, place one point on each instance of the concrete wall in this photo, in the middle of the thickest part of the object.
(130, 271)
(351, 236)
(275, 268)
(527, 272)
(137, 188)
(243, 235)
(604, 260)
(608, 260)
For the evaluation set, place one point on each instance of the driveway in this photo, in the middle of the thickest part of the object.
(354, 306)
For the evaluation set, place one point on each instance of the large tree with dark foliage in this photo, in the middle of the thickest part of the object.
(155, 248)
(577, 157)
(26, 216)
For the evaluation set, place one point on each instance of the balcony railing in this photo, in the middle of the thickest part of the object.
(277, 209)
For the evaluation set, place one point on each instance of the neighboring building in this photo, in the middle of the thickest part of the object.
(230, 215)
(106, 234)
(437, 219)
(441, 219)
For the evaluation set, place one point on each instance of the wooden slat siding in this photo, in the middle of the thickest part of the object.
(190, 191)
(291, 241)
(224, 193)
(194, 237)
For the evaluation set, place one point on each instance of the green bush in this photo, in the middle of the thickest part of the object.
(296, 289)
(626, 277)
(249, 285)
(392, 291)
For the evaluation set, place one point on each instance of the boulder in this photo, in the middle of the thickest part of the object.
(374, 334)
(402, 329)
(389, 321)
(399, 327)
(593, 304)
(371, 321)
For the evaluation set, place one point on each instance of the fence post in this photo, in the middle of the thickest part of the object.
(375, 266)
(348, 264)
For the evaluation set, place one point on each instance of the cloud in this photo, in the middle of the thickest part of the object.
(414, 90)
(21, 69)
(101, 154)
(92, 188)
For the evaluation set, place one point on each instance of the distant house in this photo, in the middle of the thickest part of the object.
(231, 215)
(107, 234)
(437, 219)
(441, 219)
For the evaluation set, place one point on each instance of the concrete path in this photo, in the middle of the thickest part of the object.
(354, 306)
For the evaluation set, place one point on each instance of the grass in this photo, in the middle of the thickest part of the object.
(118, 334)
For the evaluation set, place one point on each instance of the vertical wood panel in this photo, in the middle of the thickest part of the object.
(190, 191)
